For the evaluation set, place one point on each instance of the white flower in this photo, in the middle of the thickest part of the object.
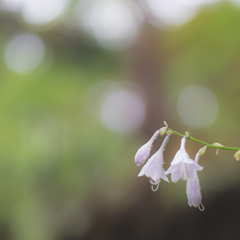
(154, 166)
(182, 166)
(193, 187)
(194, 191)
(144, 151)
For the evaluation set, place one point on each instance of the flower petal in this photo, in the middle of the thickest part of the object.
(182, 166)
(144, 151)
(194, 191)
(154, 166)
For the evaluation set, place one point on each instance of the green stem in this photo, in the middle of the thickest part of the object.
(206, 144)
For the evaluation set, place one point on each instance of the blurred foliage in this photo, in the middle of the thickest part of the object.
(53, 151)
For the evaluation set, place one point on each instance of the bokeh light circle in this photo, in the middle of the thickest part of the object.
(164, 13)
(113, 23)
(24, 53)
(40, 12)
(197, 106)
(171, 12)
(123, 111)
(120, 106)
(12, 5)
(236, 2)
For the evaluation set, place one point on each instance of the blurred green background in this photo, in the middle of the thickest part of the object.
(84, 84)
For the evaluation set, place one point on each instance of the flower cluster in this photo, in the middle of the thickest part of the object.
(182, 167)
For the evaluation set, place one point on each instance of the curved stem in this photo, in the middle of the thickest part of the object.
(206, 144)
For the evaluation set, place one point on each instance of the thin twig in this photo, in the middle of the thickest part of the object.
(206, 144)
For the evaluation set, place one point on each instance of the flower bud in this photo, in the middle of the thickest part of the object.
(187, 134)
(144, 151)
(217, 144)
(237, 155)
(203, 150)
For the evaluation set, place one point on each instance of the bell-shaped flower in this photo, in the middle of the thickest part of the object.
(182, 166)
(144, 151)
(194, 191)
(154, 166)
(193, 188)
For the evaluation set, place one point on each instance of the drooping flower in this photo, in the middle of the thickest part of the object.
(182, 166)
(193, 188)
(154, 166)
(194, 191)
(144, 151)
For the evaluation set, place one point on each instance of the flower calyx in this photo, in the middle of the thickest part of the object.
(163, 130)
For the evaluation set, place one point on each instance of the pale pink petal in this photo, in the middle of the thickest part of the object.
(154, 166)
(182, 166)
(144, 151)
(194, 191)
